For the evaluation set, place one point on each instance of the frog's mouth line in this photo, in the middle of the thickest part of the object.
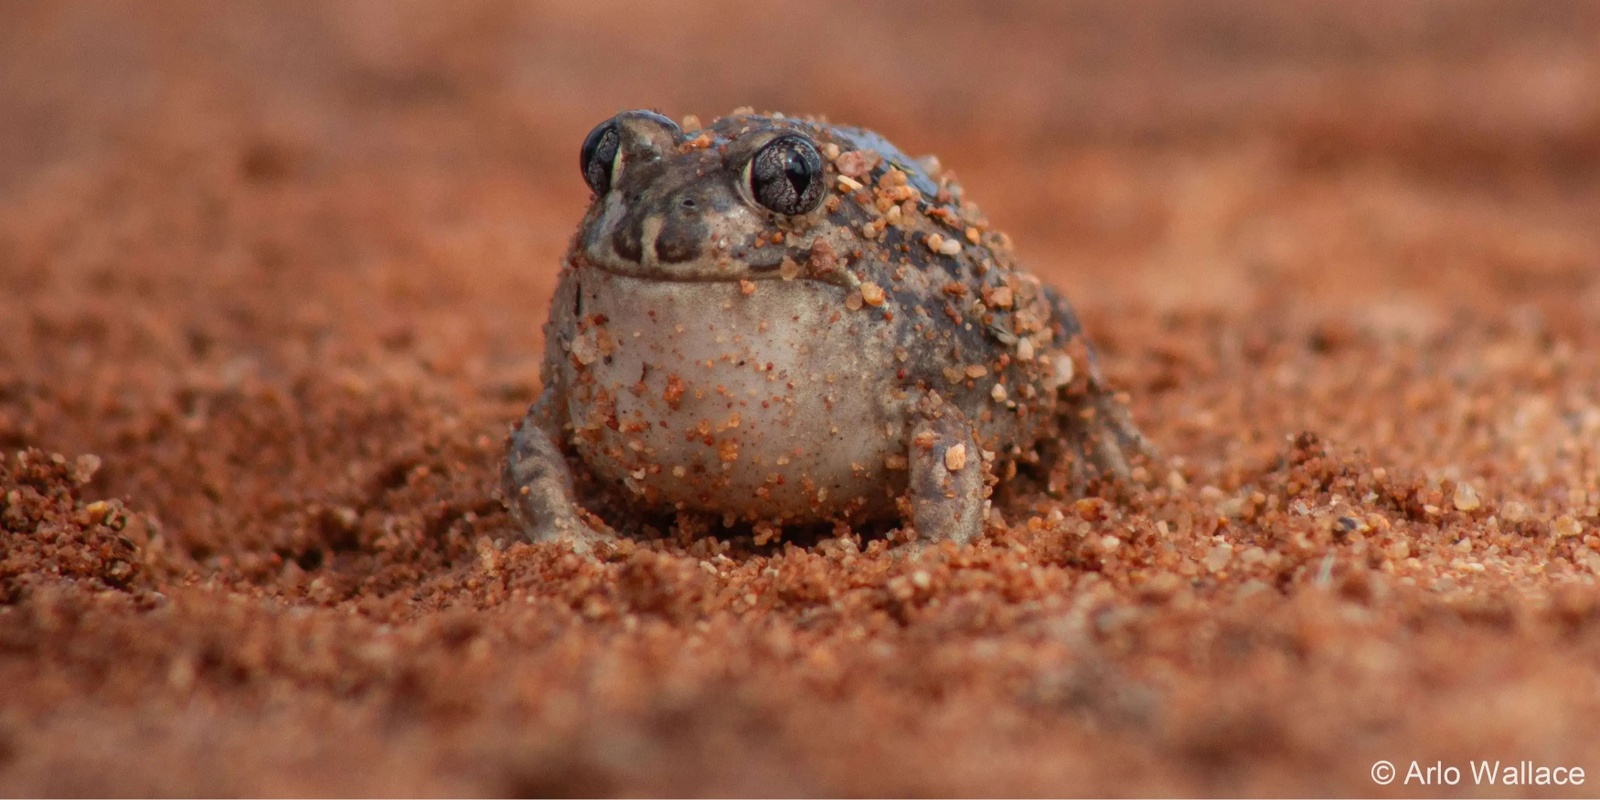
(710, 261)
(664, 274)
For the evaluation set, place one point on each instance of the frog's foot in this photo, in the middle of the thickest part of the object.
(947, 497)
(537, 484)
(1102, 436)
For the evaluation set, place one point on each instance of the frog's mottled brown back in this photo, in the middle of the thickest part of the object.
(779, 320)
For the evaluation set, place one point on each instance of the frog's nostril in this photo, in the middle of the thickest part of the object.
(687, 202)
(626, 241)
(680, 240)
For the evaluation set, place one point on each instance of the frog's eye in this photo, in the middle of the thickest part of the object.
(786, 175)
(598, 156)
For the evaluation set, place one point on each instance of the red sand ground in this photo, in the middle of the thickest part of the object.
(273, 279)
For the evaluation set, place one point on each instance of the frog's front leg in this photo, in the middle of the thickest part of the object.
(947, 487)
(538, 483)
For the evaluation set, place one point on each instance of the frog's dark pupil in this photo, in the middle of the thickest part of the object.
(799, 173)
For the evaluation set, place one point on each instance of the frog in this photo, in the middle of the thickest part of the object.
(779, 321)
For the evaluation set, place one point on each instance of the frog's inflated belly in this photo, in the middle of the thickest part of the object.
(765, 400)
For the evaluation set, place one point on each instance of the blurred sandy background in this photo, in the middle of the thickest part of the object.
(271, 281)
